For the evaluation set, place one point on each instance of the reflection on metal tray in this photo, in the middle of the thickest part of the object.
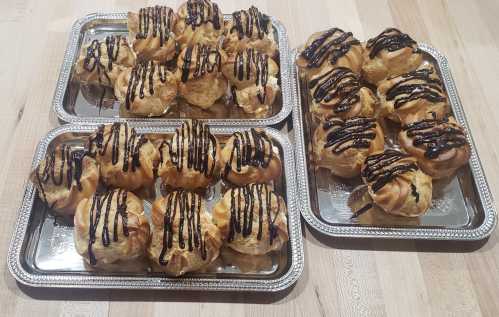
(462, 207)
(75, 103)
(42, 250)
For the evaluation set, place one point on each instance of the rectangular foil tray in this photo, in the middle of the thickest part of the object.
(42, 253)
(71, 106)
(462, 209)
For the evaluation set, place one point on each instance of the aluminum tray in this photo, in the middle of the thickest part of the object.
(462, 209)
(42, 253)
(71, 105)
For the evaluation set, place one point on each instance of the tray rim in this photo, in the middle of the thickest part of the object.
(65, 280)
(71, 53)
(458, 234)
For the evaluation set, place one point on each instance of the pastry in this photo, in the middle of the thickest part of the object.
(184, 238)
(126, 159)
(191, 159)
(199, 22)
(151, 31)
(250, 29)
(391, 53)
(252, 219)
(396, 184)
(201, 79)
(330, 49)
(110, 227)
(342, 145)
(253, 77)
(147, 90)
(338, 92)
(439, 145)
(101, 62)
(64, 177)
(412, 96)
(250, 157)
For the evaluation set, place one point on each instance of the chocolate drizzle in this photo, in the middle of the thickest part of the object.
(436, 136)
(138, 76)
(338, 83)
(192, 145)
(188, 205)
(243, 202)
(103, 203)
(356, 132)
(423, 86)
(155, 21)
(253, 18)
(92, 60)
(129, 145)
(380, 169)
(334, 43)
(201, 12)
(69, 169)
(390, 39)
(249, 148)
(207, 59)
(247, 60)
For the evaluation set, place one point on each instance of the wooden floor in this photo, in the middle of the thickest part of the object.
(341, 277)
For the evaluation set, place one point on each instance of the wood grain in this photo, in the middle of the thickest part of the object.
(342, 277)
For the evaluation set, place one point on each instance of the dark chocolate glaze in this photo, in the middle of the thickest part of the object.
(423, 86)
(362, 210)
(104, 203)
(155, 21)
(390, 39)
(138, 76)
(130, 145)
(338, 83)
(207, 60)
(201, 12)
(357, 132)
(253, 18)
(248, 60)
(436, 136)
(70, 159)
(244, 202)
(380, 169)
(196, 154)
(334, 43)
(414, 192)
(92, 60)
(188, 205)
(249, 148)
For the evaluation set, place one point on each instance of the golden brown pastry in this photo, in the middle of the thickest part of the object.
(391, 53)
(151, 31)
(252, 219)
(191, 159)
(439, 145)
(412, 96)
(342, 145)
(201, 79)
(148, 89)
(101, 62)
(396, 184)
(199, 22)
(330, 49)
(126, 159)
(110, 227)
(250, 29)
(339, 93)
(250, 157)
(184, 238)
(64, 177)
(253, 77)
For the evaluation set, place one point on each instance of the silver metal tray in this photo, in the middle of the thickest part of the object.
(462, 208)
(75, 103)
(42, 253)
